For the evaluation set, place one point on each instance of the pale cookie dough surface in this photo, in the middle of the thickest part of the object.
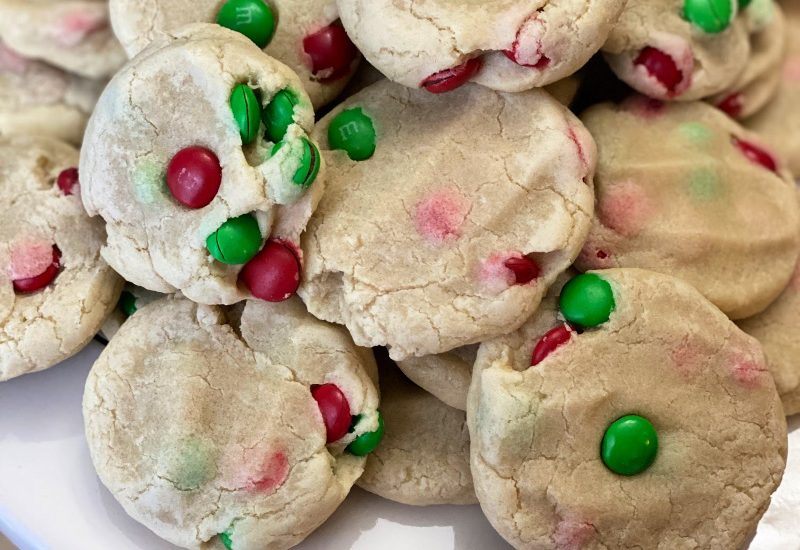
(759, 82)
(131, 300)
(74, 35)
(137, 22)
(708, 62)
(779, 122)
(408, 248)
(39, 99)
(244, 450)
(176, 95)
(676, 194)
(665, 354)
(445, 375)
(777, 328)
(39, 329)
(423, 458)
(410, 40)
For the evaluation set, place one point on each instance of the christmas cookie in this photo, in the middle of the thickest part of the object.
(632, 411)
(682, 189)
(424, 456)
(197, 159)
(679, 49)
(39, 99)
(776, 328)
(55, 290)
(443, 215)
(506, 45)
(304, 34)
(269, 422)
(73, 35)
(445, 375)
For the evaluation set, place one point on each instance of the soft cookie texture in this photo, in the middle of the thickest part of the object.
(424, 457)
(46, 236)
(130, 301)
(518, 45)
(416, 247)
(241, 461)
(656, 50)
(682, 189)
(446, 375)
(137, 22)
(74, 35)
(176, 95)
(777, 328)
(665, 354)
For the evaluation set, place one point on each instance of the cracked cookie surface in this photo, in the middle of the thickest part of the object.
(412, 247)
(665, 353)
(445, 375)
(207, 432)
(49, 309)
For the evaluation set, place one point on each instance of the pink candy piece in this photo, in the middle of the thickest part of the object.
(625, 208)
(75, 26)
(572, 534)
(30, 256)
(440, 216)
(271, 474)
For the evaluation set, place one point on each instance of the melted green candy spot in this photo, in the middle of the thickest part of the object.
(149, 182)
(696, 132)
(191, 464)
(704, 184)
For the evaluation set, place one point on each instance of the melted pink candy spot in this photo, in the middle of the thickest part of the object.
(581, 151)
(271, 474)
(75, 26)
(643, 106)
(30, 257)
(791, 69)
(685, 358)
(527, 47)
(572, 535)
(494, 274)
(625, 208)
(747, 372)
(440, 216)
(12, 61)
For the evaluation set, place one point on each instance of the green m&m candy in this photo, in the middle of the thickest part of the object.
(366, 443)
(309, 163)
(629, 445)
(353, 132)
(246, 112)
(236, 241)
(225, 537)
(252, 18)
(587, 300)
(279, 114)
(712, 16)
(743, 4)
(127, 303)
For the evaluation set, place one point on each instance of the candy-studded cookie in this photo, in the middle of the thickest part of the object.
(197, 159)
(55, 290)
(679, 49)
(629, 413)
(423, 458)
(506, 45)
(74, 35)
(304, 34)
(216, 436)
(39, 99)
(682, 189)
(445, 219)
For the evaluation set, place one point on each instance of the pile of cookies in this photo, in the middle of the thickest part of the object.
(538, 255)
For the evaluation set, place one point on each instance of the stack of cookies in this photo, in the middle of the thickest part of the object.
(539, 255)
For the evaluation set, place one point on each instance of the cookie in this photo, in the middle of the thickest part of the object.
(130, 301)
(200, 194)
(73, 35)
(39, 99)
(55, 290)
(649, 417)
(256, 452)
(510, 46)
(776, 329)
(445, 375)
(304, 34)
(678, 49)
(779, 122)
(759, 82)
(423, 458)
(460, 209)
(684, 190)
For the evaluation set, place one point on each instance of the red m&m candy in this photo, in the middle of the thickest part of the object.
(331, 51)
(450, 79)
(525, 270)
(660, 66)
(334, 408)
(194, 176)
(67, 180)
(551, 341)
(756, 154)
(38, 282)
(273, 274)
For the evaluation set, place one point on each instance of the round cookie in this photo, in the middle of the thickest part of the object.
(777, 328)
(424, 456)
(39, 99)
(195, 194)
(463, 208)
(684, 190)
(659, 51)
(504, 45)
(243, 462)
(74, 35)
(759, 82)
(132, 299)
(656, 421)
(55, 290)
(445, 375)
(307, 35)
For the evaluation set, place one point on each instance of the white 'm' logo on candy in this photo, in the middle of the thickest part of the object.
(349, 129)
(244, 15)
